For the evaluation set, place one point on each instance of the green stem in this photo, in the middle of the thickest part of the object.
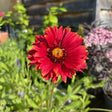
(62, 105)
(48, 101)
(51, 103)
(41, 102)
(98, 109)
(58, 83)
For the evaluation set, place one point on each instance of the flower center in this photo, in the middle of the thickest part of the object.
(57, 52)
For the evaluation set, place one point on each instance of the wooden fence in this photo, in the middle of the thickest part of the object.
(78, 11)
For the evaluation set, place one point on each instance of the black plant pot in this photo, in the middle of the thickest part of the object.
(107, 98)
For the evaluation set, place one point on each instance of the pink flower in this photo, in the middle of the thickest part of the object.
(98, 36)
(2, 14)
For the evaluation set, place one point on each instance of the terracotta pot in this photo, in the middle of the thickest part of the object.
(3, 36)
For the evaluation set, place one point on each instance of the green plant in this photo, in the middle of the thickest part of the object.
(51, 19)
(1, 19)
(80, 30)
(25, 34)
(22, 89)
(15, 80)
(18, 21)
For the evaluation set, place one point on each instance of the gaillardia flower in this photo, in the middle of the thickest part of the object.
(58, 53)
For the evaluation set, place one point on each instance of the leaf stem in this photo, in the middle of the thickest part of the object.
(99, 109)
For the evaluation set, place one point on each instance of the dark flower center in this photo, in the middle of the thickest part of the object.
(56, 54)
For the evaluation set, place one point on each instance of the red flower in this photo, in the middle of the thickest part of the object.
(58, 52)
(2, 14)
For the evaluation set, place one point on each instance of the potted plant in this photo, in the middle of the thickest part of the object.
(3, 35)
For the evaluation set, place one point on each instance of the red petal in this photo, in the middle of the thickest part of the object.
(79, 51)
(32, 51)
(46, 65)
(35, 46)
(69, 75)
(33, 62)
(59, 35)
(81, 66)
(42, 51)
(74, 57)
(64, 77)
(71, 41)
(57, 69)
(47, 77)
(50, 36)
(54, 79)
(37, 66)
(30, 57)
(68, 72)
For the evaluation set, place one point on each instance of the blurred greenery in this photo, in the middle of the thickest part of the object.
(22, 89)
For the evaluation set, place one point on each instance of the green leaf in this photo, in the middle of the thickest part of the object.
(87, 109)
(1, 87)
(12, 96)
(2, 80)
(74, 97)
(19, 106)
(76, 90)
(4, 66)
(53, 19)
(31, 102)
(69, 89)
(54, 8)
(73, 80)
(63, 9)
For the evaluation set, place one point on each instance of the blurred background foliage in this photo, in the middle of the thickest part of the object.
(21, 87)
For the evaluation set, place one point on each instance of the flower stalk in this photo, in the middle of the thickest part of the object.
(51, 103)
